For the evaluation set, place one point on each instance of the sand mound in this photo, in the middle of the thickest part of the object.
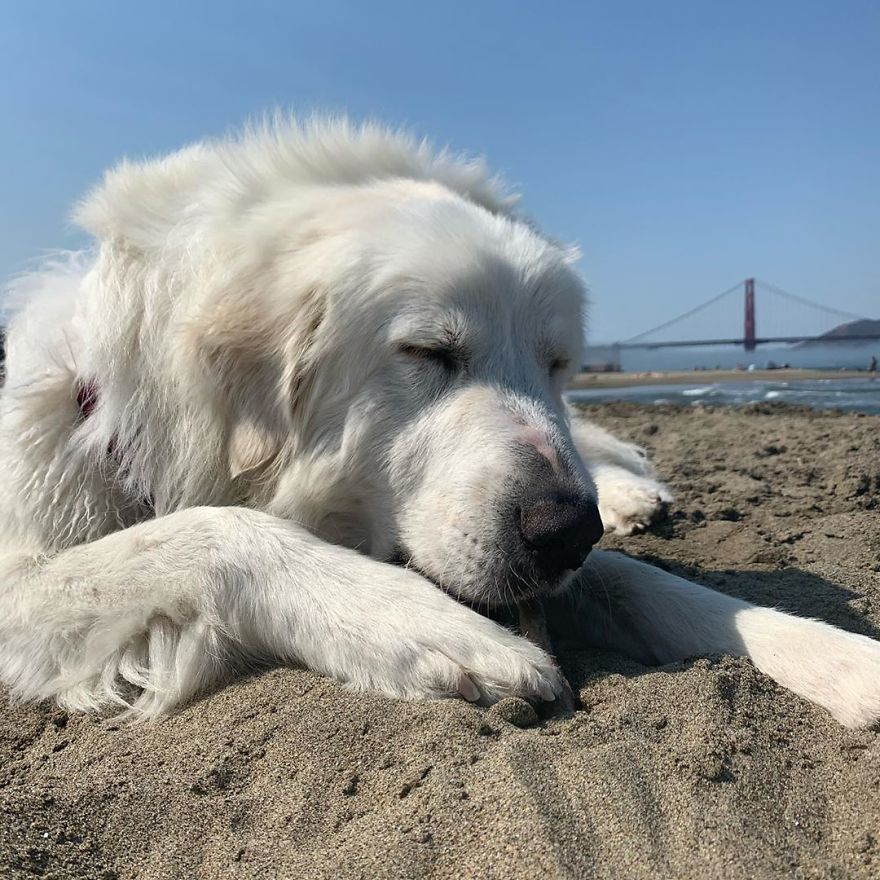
(705, 769)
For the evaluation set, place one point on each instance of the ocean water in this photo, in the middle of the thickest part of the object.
(855, 395)
(851, 356)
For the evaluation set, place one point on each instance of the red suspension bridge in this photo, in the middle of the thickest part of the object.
(750, 338)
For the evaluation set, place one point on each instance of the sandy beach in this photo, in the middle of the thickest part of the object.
(704, 769)
(583, 381)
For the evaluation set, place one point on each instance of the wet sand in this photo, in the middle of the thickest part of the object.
(703, 769)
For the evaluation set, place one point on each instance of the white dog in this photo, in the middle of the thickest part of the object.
(296, 358)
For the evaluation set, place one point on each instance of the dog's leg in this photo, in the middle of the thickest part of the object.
(597, 444)
(165, 607)
(630, 495)
(657, 617)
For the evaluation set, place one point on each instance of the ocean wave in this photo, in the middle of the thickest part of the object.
(862, 395)
(698, 392)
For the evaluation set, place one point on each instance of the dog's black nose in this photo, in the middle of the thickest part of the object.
(560, 530)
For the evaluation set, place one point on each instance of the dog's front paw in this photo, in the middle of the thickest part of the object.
(508, 665)
(470, 657)
(629, 503)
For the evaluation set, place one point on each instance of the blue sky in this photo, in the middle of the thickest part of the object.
(683, 145)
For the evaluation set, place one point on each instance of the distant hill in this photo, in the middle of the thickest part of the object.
(842, 332)
(864, 327)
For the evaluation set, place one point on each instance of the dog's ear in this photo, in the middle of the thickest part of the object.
(262, 366)
(302, 352)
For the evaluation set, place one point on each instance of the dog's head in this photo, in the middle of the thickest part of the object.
(396, 377)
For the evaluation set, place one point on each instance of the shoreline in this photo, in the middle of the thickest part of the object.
(585, 381)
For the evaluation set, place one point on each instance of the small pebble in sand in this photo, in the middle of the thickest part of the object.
(514, 711)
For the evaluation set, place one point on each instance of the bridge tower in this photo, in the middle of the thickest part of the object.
(749, 334)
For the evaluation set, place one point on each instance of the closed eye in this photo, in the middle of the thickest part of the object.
(443, 356)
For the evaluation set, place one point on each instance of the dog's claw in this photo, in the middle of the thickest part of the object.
(563, 706)
(567, 700)
(467, 689)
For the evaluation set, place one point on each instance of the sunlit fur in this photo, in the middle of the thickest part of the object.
(271, 430)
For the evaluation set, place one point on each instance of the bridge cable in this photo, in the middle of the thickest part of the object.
(681, 317)
(807, 302)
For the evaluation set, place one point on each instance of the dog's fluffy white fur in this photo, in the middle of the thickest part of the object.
(293, 358)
